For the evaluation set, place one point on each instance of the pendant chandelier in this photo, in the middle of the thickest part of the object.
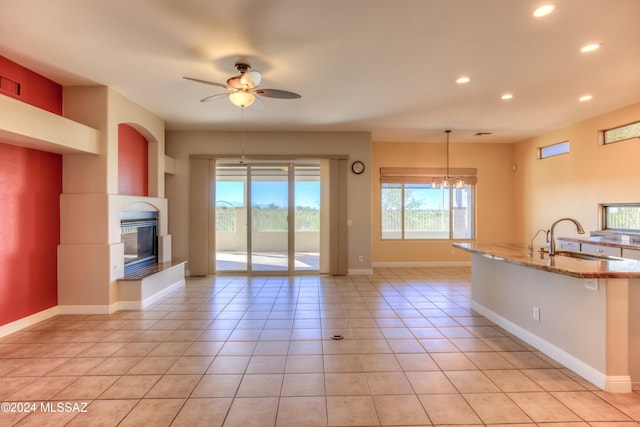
(446, 180)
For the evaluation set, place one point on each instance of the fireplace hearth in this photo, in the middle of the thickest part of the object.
(139, 233)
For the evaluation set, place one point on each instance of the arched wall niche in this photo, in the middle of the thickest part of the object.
(133, 159)
(147, 134)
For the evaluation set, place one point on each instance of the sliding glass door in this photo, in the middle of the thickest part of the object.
(267, 217)
(270, 218)
(231, 218)
(307, 217)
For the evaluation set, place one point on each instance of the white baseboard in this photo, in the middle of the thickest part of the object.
(43, 315)
(85, 309)
(163, 293)
(423, 264)
(141, 305)
(30, 320)
(360, 272)
(613, 384)
(618, 384)
(126, 305)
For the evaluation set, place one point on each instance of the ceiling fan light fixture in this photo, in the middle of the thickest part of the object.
(251, 79)
(242, 99)
(235, 82)
(243, 88)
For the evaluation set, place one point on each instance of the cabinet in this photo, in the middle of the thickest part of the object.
(601, 250)
(631, 253)
(567, 245)
(597, 249)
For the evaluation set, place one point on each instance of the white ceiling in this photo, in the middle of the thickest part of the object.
(383, 66)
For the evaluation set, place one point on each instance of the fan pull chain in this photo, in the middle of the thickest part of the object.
(242, 157)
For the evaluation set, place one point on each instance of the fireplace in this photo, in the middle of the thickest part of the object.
(139, 233)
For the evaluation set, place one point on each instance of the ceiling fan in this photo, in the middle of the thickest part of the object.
(243, 88)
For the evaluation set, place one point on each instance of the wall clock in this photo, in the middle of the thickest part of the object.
(357, 167)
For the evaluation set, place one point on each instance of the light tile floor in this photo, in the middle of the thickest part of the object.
(257, 351)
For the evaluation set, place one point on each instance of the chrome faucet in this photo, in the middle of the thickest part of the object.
(530, 247)
(551, 241)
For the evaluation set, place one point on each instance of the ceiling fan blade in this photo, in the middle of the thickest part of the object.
(206, 82)
(213, 97)
(277, 93)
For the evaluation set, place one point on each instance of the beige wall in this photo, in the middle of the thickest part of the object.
(90, 255)
(510, 206)
(356, 145)
(576, 183)
(104, 109)
(494, 205)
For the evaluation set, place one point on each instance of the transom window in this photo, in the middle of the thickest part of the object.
(621, 133)
(553, 150)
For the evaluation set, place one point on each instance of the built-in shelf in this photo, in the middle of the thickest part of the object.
(169, 165)
(28, 126)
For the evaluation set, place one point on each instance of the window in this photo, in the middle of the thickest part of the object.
(621, 217)
(553, 150)
(620, 133)
(412, 210)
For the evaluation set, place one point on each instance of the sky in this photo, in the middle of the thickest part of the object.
(307, 194)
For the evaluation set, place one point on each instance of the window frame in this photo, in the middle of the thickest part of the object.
(603, 133)
(557, 145)
(451, 194)
(605, 217)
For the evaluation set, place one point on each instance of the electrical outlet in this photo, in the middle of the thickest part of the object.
(536, 314)
(360, 258)
(591, 284)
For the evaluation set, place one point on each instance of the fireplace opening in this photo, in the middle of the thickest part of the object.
(139, 233)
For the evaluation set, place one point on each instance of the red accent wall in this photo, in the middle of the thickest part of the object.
(133, 162)
(34, 88)
(30, 187)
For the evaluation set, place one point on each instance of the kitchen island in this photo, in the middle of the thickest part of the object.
(583, 313)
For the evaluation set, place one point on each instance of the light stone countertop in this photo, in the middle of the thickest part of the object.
(581, 268)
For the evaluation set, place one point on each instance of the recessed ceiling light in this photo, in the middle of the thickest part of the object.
(584, 98)
(507, 96)
(544, 10)
(590, 47)
(463, 80)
